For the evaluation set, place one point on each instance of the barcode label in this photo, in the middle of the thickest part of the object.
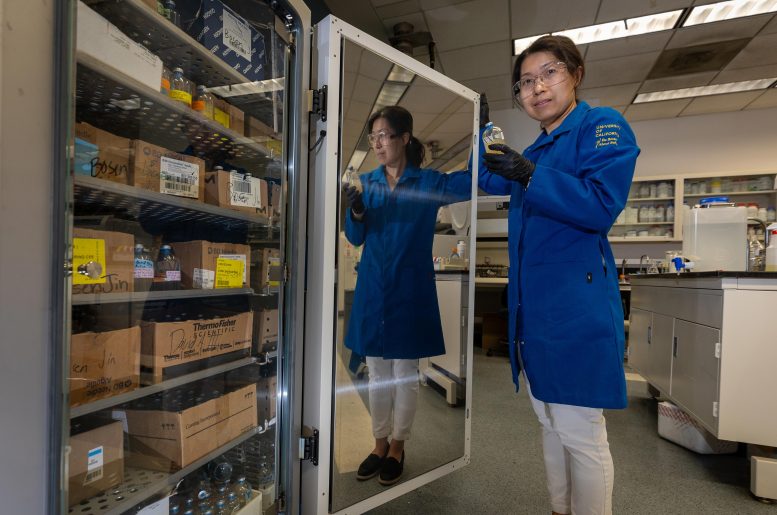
(93, 476)
(242, 186)
(179, 178)
(94, 465)
(245, 191)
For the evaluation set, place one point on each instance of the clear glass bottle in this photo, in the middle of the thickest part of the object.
(167, 275)
(755, 254)
(164, 87)
(203, 102)
(171, 13)
(243, 490)
(670, 213)
(144, 269)
(180, 88)
(492, 135)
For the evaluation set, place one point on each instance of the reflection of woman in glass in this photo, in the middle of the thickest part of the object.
(395, 318)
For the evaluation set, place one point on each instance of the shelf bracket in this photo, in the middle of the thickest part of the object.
(317, 101)
(308, 446)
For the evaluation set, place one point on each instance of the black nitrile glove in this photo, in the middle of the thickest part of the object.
(484, 118)
(353, 199)
(509, 164)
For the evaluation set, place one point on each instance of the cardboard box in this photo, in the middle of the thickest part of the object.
(267, 398)
(168, 344)
(221, 112)
(200, 263)
(96, 462)
(237, 120)
(103, 364)
(265, 135)
(114, 252)
(164, 171)
(266, 330)
(167, 440)
(230, 37)
(266, 269)
(102, 41)
(275, 200)
(234, 191)
(113, 154)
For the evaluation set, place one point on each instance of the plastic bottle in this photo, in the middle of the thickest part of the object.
(752, 210)
(755, 254)
(203, 102)
(491, 135)
(144, 269)
(243, 490)
(771, 250)
(180, 88)
(164, 87)
(670, 213)
(771, 214)
(171, 13)
(167, 275)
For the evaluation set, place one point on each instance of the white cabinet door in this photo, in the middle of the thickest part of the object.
(639, 340)
(660, 358)
(695, 371)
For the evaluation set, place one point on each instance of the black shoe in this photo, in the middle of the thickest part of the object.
(370, 467)
(391, 470)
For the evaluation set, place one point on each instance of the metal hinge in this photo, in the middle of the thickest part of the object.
(285, 273)
(715, 409)
(317, 101)
(308, 447)
(717, 350)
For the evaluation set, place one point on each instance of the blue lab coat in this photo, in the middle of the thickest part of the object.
(395, 313)
(564, 304)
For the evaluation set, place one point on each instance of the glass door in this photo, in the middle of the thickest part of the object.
(388, 349)
(179, 297)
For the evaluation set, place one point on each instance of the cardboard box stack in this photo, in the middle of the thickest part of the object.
(103, 261)
(168, 344)
(103, 364)
(168, 440)
(113, 154)
(266, 270)
(209, 265)
(266, 330)
(157, 169)
(96, 461)
(267, 398)
(236, 191)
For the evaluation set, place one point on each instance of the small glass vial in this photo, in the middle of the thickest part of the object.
(203, 102)
(180, 88)
(164, 87)
(492, 135)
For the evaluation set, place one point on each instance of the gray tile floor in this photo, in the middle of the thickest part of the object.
(506, 475)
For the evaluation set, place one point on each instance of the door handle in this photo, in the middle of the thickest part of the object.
(650, 335)
(674, 346)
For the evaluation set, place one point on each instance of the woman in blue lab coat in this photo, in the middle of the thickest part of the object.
(566, 320)
(395, 318)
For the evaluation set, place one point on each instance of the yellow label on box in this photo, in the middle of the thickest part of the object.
(89, 261)
(221, 117)
(229, 273)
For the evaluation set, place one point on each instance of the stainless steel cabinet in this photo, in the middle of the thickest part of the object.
(695, 366)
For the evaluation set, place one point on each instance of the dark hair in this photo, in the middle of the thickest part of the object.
(562, 48)
(401, 121)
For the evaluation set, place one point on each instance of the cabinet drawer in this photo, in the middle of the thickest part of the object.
(695, 305)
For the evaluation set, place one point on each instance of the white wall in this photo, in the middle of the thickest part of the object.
(740, 141)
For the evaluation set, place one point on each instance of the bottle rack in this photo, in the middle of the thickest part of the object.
(112, 101)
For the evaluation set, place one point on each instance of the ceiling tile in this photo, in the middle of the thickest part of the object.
(757, 72)
(366, 89)
(628, 46)
(374, 66)
(500, 105)
(358, 111)
(495, 88)
(620, 70)
(380, 3)
(718, 31)
(690, 80)
(720, 103)
(621, 9)
(477, 61)
(609, 95)
(467, 24)
(656, 110)
(771, 27)
(759, 52)
(427, 5)
(620, 109)
(767, 99)
(398, 9)
(416, 18)
(427, 99)
(529, 18)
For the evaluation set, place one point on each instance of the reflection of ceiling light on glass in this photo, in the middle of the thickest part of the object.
(400, 74)
(611, 30)
(729, 10)
(716, 89)
(249, 88)
(356, 160)
(389, 95)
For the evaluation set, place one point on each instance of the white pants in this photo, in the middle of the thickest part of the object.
(578, 463)
(393, 396)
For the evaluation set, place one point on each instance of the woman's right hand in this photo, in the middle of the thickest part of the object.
(353, 199)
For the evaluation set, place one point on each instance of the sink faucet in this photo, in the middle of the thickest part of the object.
(642, 259)
(763, 225)
(623, 269)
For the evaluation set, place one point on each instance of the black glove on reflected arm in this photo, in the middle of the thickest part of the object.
(484, 111)
(509, 164)
(353, 199)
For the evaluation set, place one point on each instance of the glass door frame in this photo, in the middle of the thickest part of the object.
(320, 316)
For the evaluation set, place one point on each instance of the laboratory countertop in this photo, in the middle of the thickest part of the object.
(452, 271)
(705, 275)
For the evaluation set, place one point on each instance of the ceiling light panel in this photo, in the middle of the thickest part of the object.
(729, 10)
(716, 89)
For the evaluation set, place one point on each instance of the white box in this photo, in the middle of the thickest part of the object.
(101, 40)
(254, 506)
(678, 427)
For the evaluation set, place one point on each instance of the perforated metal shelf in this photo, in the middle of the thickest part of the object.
(146, 296)
(145, 205)
(140, 484)
(119, 104)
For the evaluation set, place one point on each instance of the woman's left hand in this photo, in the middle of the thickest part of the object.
(509, 164)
